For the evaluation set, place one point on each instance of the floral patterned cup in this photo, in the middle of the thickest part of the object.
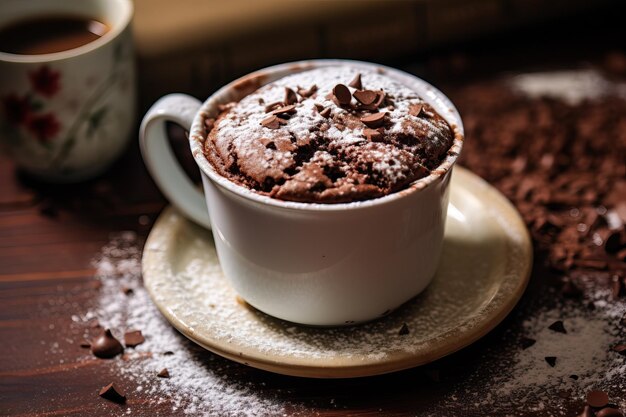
(66, 116)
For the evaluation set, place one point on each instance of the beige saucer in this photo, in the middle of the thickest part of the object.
(485, 267)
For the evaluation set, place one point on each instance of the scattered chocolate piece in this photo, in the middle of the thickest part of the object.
(326, 112)
(163, 373)
(574, 377)
(415, 109)
(527, 342)
(342, 94)
(551, 360)
(308, 92)
(134, 338)
(374, 120)
(284, 111)
(587, 412)
(365, 96)
(290, 96)
(127, 290)
(273, 106)
(272, 122)
(356, 82)
(597, 399)
(168, 353)
(404, 330)
(112, 393)
(621, 349)
(558, 326)
(106, 345)
(609, 412)
(85, 344)
(373, 135)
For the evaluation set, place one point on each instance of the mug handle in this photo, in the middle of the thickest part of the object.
(160, 160)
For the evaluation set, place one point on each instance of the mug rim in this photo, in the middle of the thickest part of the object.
(436, 98)
(127, 10)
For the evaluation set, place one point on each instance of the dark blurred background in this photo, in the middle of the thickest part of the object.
(195, 46)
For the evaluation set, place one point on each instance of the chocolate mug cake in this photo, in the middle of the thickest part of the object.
(334, 134)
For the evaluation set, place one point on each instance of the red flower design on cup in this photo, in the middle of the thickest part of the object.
(16, 109)
(44, 126)
(45, 81)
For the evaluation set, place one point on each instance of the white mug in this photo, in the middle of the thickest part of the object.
(66, 116)
(309, 263)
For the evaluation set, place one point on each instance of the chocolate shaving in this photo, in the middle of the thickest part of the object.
(308, 92)
(273, 122)
(112, 393)
(558, 326)
(134, 338)
(551, 360)
(365, 96)
(356, 82)
(284, 111)
(342, 94)
(290, 96)
(273, 106)
(374, 120)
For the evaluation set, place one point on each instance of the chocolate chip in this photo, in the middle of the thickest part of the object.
(290, 96)
(112, 393)
(373, 135)
(272, 122)
(127, 290)
(134, 338)
(163, 373)
(574, 377)
(415, 109)
(558, 326)
(609, 412)
(356, 82)
(597, 399)
(587, 412)
(374, 120)
(85, 344)
(326, 112)
(284, 111)
(404, 330)
(621, 349)
(365, 96)
(308, 92)
(527, 342)
(342, 94)
(106, 345)
(551, 360)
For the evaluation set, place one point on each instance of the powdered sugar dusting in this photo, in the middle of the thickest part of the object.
(198, 384)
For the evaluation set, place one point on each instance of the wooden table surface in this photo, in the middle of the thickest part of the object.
(49, 236)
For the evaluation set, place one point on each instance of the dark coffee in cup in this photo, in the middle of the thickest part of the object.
(49, 34)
